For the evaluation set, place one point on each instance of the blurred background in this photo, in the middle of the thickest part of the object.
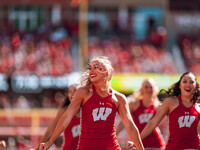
(46, 45)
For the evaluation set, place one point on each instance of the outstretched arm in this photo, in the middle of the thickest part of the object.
(130, 126)
(2, 144)
(65, 119)
(154, 122)
(132, 105)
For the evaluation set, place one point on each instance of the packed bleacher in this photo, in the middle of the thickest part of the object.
(28, 53)
(190, 49)
(48, 52)
(131, 56)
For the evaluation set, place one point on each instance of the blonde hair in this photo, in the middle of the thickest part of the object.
(105, 62)
(139, 95)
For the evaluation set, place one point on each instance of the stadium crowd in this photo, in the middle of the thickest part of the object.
(190, 49)
(44, 53)
(26, 53)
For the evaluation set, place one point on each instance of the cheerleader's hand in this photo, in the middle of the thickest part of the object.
(129, 145)
(44, 146)
(2, 144)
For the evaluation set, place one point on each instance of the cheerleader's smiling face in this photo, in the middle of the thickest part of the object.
(188, 84)
(96, 71)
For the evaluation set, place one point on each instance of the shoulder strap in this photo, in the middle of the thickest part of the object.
(141, 104)
(180, 101)
(93, 89)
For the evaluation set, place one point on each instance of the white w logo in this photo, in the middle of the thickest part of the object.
(144, 118)
(101, 113)
(76, 130)
(186, 121)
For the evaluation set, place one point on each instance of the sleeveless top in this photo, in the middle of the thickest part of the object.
(141, 117)
(71, 134)
(183, 122)
(98, 124)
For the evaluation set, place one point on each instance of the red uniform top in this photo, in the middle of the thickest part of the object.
(71, 134)
(141, 117)
(183, 124)
(98, 124)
